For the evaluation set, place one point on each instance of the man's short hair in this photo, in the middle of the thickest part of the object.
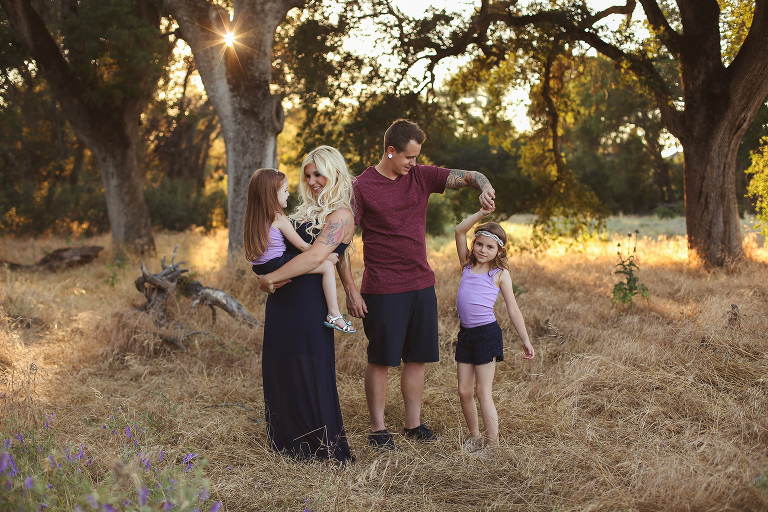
(400, 133)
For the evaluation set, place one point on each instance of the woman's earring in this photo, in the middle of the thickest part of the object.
(389, 155)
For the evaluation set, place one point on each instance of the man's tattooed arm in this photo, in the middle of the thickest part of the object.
(458, 178)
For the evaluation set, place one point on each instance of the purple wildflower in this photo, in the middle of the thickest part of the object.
(90, 461)
(20, 438)
(204, 494)
(49, 486)
(189, 466)
(306, 507)
(29, 482)
(104, 427)
(91, 499)
(167, 505)
(162, 454)
(53, 462)
(216, 507)
(108, 508)
(81, 452)
(8, 484)
(196, 510)
(188, 457)
(143, 494)
(128, 432)
(8, 443)
(7, 461)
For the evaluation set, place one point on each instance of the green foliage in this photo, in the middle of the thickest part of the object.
(39, 472)
(119, 262)
(758, 186)
(115, 48)
(178, 204)
(671, 211)
(625, 291)
(74, 210)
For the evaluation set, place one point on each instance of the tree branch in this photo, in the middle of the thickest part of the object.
(671, 39)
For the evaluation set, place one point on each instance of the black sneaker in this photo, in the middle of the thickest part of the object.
(420, 433)
(382, 440)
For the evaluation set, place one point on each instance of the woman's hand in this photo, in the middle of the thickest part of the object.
(267, 285)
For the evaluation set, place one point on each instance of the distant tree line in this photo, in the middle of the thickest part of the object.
(102, 126)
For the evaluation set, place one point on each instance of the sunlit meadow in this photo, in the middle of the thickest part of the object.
(662, 405)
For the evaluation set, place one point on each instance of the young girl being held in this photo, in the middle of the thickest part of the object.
(485, 271)
(265, 229)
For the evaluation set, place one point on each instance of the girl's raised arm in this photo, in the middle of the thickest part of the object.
(507, 291)
(461, 234)
(286, 228)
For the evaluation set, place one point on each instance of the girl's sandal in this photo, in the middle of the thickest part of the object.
(331, 322)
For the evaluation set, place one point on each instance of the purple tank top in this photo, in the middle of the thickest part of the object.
(275, 246)
(476, 298)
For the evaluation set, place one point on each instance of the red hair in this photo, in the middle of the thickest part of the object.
(260, 210)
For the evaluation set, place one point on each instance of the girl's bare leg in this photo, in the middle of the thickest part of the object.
(484, 375)
(466, 377)
(328, 272)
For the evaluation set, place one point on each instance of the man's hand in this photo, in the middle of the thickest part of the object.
(487, 198)
(356, 305)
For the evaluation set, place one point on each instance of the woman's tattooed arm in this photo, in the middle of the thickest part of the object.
(333, 233)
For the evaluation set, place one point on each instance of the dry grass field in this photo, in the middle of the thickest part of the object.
(663, 406)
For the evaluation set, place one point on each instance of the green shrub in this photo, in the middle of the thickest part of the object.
(758, 185)
(624, 291)
(178, 204)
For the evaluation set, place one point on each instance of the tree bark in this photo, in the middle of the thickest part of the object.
(237, 81)
(110, 133)
(720, 104)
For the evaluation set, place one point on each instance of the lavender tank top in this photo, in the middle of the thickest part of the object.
(476, 298)
(275, 246)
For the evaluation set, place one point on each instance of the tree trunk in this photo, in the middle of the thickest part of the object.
(711, 214)
(126, 208)
(237, 81)
(110, 133)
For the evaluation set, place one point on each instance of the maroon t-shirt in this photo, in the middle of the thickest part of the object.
(393, 215)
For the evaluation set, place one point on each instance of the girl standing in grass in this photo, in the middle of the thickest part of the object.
(265, 229)
(485, 271)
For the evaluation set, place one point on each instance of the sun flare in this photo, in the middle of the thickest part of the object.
(229, 39)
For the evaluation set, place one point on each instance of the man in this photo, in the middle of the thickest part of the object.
(397, 299)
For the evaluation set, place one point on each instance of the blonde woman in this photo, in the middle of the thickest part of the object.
(298, 360)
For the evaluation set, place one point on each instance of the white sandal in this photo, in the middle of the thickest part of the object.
(331, 322)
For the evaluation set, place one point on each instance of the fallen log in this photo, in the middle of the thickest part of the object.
(156, 288)
(60, 259)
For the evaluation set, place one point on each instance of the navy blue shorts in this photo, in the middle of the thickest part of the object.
(480, 345)
(273, 264)
(402, 326)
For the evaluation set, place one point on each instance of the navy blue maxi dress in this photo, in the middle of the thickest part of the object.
(299, 371)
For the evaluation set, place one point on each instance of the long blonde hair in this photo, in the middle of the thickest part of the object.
(260, 210)
(336, 194)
